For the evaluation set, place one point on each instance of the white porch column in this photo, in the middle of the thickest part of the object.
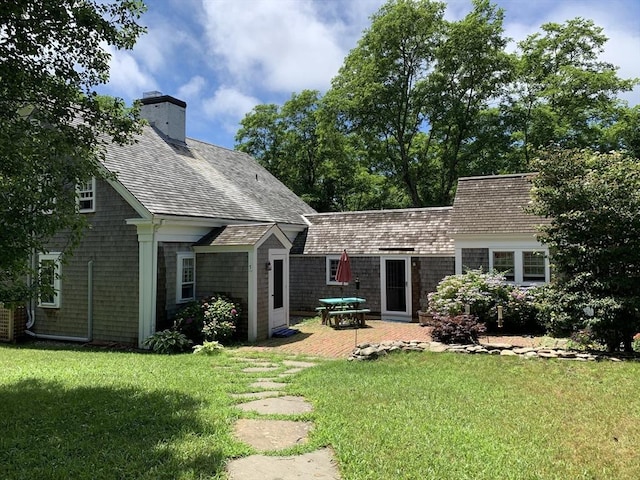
(147, 280)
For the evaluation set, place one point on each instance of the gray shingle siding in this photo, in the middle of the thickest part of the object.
(225, 273)
(311, 284)
(474, 258)
(112, 246)
(167, 281)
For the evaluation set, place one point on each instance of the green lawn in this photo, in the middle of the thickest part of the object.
(83, 414)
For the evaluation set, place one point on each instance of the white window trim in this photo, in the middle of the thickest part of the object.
(92, 198)
(179, 271)
(329, 259)
(518, 264)
(57, 283)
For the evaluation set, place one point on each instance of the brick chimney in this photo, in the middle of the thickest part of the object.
(165, 113)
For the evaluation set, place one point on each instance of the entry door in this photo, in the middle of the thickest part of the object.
(278, 290)
(396, 290)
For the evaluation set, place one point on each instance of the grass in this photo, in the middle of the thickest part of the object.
(103, 415)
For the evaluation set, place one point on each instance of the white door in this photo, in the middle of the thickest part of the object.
(278, 290)
(396, 288)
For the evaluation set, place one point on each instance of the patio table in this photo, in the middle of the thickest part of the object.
(341, 308)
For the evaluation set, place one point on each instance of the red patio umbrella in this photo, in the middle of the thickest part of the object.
(343, 274)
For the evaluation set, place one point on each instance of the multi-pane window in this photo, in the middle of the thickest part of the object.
(504, 262)
(49, 273)
(87, 196)
(332, 269)
(533, 267)
(521, 266)
(186, 281)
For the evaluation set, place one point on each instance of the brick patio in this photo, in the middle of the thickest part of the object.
(320, 340)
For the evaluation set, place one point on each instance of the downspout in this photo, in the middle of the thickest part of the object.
(90, 300)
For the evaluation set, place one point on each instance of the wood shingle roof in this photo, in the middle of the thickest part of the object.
(494, 205)
(201, 180)
(419, 231)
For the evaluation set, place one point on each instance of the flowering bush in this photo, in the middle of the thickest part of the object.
(220, 318)
(483, 293)
(636, 342)
(212, 319)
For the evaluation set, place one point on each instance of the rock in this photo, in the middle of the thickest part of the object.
(545, 354)
(523, 350)
(508, 353)
(566, 354)
(438, 347)
(369, 351)
(497, 346)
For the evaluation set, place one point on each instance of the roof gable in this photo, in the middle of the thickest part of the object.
(494, 205)
(420, 231)
(201, 180)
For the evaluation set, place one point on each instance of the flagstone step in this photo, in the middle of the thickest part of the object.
(287, 405)
(318, 465)
(268, 435)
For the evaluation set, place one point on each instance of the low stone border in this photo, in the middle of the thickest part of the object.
(371, 351)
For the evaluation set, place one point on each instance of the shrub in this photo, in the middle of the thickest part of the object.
(457, 329)
(208, 348)
(483, 292)
(212, 319)
(636, 343)
(167, 342)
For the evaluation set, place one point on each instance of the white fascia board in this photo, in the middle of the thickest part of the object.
(126, 194)
(280, 235)
(291, 230)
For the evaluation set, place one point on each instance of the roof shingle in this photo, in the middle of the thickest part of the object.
(420, 231)
(494, 205)
(201, 180)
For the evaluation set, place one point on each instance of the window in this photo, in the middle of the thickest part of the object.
(87, 196)
(186, 281)
(49, 272)
(332, 269)
(533, 267)
(504, 263)
(521, 266)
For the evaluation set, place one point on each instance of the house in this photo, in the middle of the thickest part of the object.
(397, 256)
(180, 220)
(492, 229)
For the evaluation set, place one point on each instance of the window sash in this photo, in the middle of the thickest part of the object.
(332, 263)
(49, 275)
(533, 266)
(186, 278)
(504, 262)
(86, 196)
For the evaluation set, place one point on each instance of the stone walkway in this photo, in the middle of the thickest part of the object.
(268, 435)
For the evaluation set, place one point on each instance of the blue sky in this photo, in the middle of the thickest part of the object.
(223, 57)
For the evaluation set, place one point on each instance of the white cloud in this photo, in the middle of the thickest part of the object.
(282, 46)
(192, 89)
(228, 104)
(126, 75)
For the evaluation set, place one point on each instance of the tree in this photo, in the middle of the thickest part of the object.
(593, 201)
(53, 125)
(414, 89)
(563, 92)
(304, 151)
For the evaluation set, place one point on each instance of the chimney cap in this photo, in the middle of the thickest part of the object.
(162, 99)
